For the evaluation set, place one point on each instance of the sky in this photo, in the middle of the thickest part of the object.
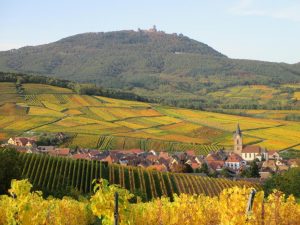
(267, 30)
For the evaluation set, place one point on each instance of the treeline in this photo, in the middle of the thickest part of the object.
(203, 101)
(85, 89)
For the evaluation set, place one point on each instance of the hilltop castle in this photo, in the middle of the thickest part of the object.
(249, 152)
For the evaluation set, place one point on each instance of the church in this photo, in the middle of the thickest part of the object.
(249, 152)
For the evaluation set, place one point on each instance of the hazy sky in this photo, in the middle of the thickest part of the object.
(251, 29)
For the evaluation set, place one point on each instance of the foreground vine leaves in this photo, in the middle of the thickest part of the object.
(26, 207)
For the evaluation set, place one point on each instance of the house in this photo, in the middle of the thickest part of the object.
(214, 162)
(152, 152)
(129, 160)
(164, 155)
(81, 156)
(293, 163)
(235, 162)
(60, 136)
(158, 167)
(195, 162)
(281, 165)
(45, 149)
(94, 153)
(152, 158)
(166, 162)
(22, 142)
(130, 151)
(252, 152)
(274, 155)
(108, 159)
(144, 164)
(63, 152)
(270, 164)
(191, 153)
(195, 165)
(216, 165)
(11, 141)
(265, 173)
(113, 157)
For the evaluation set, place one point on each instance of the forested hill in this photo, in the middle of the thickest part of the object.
(150, 63)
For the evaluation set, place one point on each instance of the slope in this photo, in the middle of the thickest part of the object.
(170, 67)
(107, 123)
(54, 174)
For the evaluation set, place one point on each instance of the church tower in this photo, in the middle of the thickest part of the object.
(238, 140)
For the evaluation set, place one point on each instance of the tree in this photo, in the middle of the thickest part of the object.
(204, 168)
(252, 171)
(182, 168)
(225, 172)
(287, 182)
(10, 168)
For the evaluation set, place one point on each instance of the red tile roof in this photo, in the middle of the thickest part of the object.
(272, 152)
(251, 149)
(269, 163)
(94, 152)
(23, 141)
(164, 155)
(62, 151)
(80, 156)
(59, 152)
(108, 159)
(133, 151)
(191, 152)
(195, 165)
(234, 158)
(158, 167)
(212, 157)
(216, 164)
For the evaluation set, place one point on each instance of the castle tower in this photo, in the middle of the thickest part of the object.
(238, 140)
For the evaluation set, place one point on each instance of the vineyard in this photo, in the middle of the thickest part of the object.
(27, 207)
(56, 173)
(119, 142)
(106, 123)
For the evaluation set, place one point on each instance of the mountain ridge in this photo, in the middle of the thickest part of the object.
(171, 67)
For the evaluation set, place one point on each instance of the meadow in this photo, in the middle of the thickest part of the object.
(107, 123)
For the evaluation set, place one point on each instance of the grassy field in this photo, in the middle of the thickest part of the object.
(106, 123)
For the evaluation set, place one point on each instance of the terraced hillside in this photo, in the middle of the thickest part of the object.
(55, 173)
(106, 123)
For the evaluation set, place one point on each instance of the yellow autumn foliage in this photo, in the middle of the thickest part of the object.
(29, 208)
(229, 208)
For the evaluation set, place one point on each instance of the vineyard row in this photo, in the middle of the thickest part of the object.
(49, 173)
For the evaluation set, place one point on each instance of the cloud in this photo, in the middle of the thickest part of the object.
(288, 10)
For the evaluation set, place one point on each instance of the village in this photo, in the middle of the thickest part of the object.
(250, 161)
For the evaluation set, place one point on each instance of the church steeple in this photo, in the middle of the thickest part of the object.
(238, 140)
(238, 130)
